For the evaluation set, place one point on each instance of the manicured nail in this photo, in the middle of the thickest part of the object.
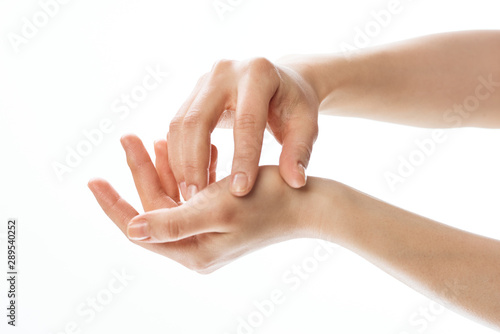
(240, 183)
(138, 230)
(191, 191)
(302, 171)
(183, 188)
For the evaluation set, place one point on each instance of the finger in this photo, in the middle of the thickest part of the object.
(199, 122)
(175, 137)
(164, 171)
(144, 173)
(214, 155)
(249, 125)
(174, 224)
(299, 135)
(121, 213)
(115, 207)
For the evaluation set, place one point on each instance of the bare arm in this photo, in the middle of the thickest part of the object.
(213, 228)
(458, 268)
(442, 80)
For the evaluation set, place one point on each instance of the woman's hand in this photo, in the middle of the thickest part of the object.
(213, 227)
(245, 95)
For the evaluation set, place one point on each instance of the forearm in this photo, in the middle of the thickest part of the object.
(460, 269)
(425, 81)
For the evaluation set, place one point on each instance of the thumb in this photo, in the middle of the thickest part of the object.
(298, 139)
(171, 224)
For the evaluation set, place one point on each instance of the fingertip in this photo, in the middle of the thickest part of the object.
(240, 194)
(212, 170)
(160, 145)
(96, 183)
(240, 184)
(150, 227)
(129, 139)
(296, 176)
(91, 182)
(183, 189)
(138, 229)
(214, 157)
(302, 178)
(157, 145)
(161, 142)
(90, 185)
(126, 138)
(191, 191)
(212, 177)
(214, 150)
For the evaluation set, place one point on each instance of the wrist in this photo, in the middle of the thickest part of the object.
(325, 74)
(323, 206)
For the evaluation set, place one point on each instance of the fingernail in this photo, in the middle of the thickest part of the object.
(191, 191)
(183, 188)
(138, 230)
(240, 183)
(302, 171)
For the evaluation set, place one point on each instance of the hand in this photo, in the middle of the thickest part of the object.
(213, 227)
(245, 95)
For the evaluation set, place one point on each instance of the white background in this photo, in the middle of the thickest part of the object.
(64, 80)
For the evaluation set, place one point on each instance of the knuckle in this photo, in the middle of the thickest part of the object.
(172, 230)
(246, 122)
(246, 156)
(260, 65)
(191, 167)
(304, 149)
(192, 118)
(247, 153)
(222, 65)
(176, 124)
(262, 71)
(247, 148)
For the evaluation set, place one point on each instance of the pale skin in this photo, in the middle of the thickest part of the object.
(412, 82)
(460, 269)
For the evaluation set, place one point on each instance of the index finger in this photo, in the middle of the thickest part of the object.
(115, 207)
(199, 122)
(252, 110)
(121, 213)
